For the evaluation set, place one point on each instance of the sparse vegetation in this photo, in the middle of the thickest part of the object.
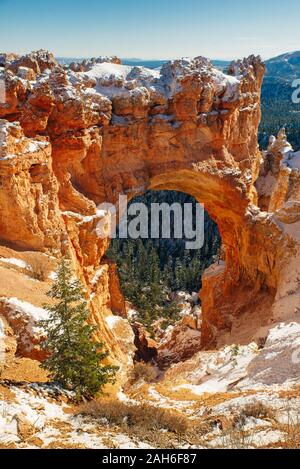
(144, 371)
(292, 439)
(235, 438)
(234, 354)
(291, 428)
(39, 270)
(235, 350)
(139, 418)
(163, 427)
(261, 342)
(257, 410)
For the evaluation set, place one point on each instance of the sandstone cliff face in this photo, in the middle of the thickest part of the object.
(30, 215)
(101, 129)
(283, 165)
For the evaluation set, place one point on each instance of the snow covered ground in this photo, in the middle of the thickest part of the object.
(243, 367)
(240, 396)
(31, 418)
(14, 261)
(216, 387)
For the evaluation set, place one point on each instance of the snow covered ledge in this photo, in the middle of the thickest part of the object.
(21, 317)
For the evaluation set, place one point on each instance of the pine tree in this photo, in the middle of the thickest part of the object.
(168, 274)
(74, 356)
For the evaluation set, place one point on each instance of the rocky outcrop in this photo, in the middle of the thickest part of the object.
(110, 129)
(30, 215)
(37, 61)
(87, 64)
(146, 347)
(283, 211)
(22, 318)
(117, 300)
(273, 180)
(180, 343)
(179, 340)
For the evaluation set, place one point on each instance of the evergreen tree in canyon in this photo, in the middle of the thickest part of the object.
(75, 358)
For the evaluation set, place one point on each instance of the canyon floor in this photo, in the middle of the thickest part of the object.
(41, 415)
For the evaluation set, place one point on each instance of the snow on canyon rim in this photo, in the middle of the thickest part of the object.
(115, 79)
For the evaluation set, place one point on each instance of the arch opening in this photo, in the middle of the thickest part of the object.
(238, 285)
(160, 276)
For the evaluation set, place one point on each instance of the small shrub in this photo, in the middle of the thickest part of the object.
(143, 371)
(39, 271)
(257, 410)
(200, 427)
(292, 439)
(292, 431)
(235, 351)
(235, 439)
(136, 417)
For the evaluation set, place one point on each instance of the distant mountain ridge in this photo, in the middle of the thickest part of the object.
(277, 106)
(284, 67)
(148, 63)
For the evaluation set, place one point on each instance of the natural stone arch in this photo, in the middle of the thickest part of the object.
(241, 285)
(188, 127)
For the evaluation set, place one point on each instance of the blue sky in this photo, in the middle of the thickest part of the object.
(151, 29)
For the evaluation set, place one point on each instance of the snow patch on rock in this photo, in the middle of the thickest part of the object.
(292, 160)
(23, 317)
(112, 321)
(14, 261)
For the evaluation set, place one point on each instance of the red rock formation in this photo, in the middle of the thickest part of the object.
(146, 348)
(122, 130)
(28, 336)
(30, 215)
(117, 300)
(38, 61)
(87, 64)
(183, 341)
